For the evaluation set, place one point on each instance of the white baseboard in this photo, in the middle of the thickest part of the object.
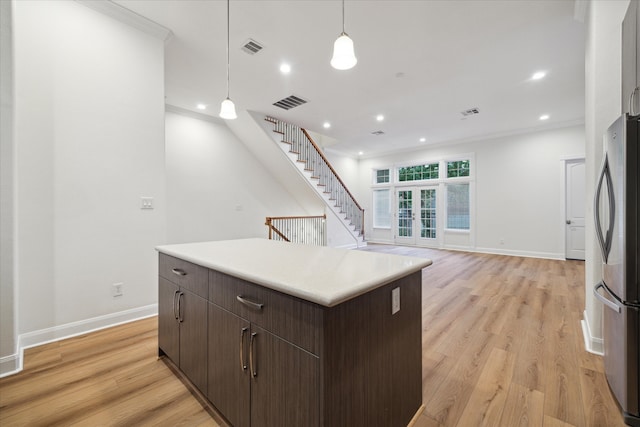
(526, 254)
(13, 363)
(381, 242)
(349, 246)
(591, 344)
(494, 251)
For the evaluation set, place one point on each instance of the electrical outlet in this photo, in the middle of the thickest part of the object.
(117, 290)
(395, 300)
(146, 203)
(502, 241)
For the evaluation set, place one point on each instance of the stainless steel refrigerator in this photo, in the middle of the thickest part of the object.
(618, 231)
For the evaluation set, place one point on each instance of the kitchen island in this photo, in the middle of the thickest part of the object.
(280, 334)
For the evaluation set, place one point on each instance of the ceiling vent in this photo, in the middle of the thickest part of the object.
(252, 47)
(290, 102)
(377, 132)
(470, 112)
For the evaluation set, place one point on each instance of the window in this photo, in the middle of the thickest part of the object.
(458, 206)
(420, 172)
(382, 176)
(457, 168)
(382, 208)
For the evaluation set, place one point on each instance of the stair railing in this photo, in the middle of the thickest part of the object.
(315, 161)
(310, 230)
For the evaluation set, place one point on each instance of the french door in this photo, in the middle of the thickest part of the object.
(416, 221)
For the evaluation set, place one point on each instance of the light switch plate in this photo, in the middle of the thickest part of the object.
(395, 300)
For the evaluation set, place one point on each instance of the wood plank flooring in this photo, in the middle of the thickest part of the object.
(502, 346)
(107, 378)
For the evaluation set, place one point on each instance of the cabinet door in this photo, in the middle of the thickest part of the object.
(193, 338)
(228, 363)
(285, 388)
(168, 330)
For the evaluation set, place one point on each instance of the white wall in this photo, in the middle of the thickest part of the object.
(89, 114)
(216, 188)
(518, 181)
(8, 334)
(603, 65)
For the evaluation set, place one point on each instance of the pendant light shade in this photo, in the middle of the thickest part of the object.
(227, 108)
(344, 56)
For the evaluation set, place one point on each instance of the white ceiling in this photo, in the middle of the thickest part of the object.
(420, 63)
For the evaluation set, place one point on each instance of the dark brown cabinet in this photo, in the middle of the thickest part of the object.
(257, 378)
(285, 383)
(229, 366)
(182, 317)
(264, 358)
(168, 325)
(631, 59)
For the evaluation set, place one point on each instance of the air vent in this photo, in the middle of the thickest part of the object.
(252, 47)
(290, 102)
(470, 112)
(377, 132)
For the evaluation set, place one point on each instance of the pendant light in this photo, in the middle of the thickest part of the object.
(227, 108)
(344, 57)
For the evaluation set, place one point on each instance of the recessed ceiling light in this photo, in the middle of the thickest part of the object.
(360, 153)
(423, 139)
(379, 117)
(285, 68)
(544, 117)
(201, 106)
(538, 75)
(326, 125)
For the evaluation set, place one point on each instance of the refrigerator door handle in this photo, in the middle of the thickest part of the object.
(612, 305)
(605, 241)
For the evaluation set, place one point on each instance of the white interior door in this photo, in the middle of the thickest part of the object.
(416, 216)
(575, 209)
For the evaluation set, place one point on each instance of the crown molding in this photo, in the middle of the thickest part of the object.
(129, 17)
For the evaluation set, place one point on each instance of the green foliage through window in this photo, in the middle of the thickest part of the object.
(457, 168)
(418, 173)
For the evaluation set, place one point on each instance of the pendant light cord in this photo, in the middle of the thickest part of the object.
(342, 16)
(228, 49)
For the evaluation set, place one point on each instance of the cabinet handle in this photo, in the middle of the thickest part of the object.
(249, 303)
(254, 372)
(179, 271)
(180, 318)
(175, 300)
(242, 364)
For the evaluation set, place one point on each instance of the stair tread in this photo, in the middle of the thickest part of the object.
(308, 163)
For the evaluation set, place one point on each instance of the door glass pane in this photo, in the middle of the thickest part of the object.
(405, 213)
(428, 214)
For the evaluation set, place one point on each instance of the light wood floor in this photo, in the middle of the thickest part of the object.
(502, 346)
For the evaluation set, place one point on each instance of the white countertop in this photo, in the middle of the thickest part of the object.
(323, 275)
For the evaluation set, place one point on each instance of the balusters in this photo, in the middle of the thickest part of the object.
(329, 182)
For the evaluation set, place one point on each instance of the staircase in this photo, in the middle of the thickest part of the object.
(307, 156)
